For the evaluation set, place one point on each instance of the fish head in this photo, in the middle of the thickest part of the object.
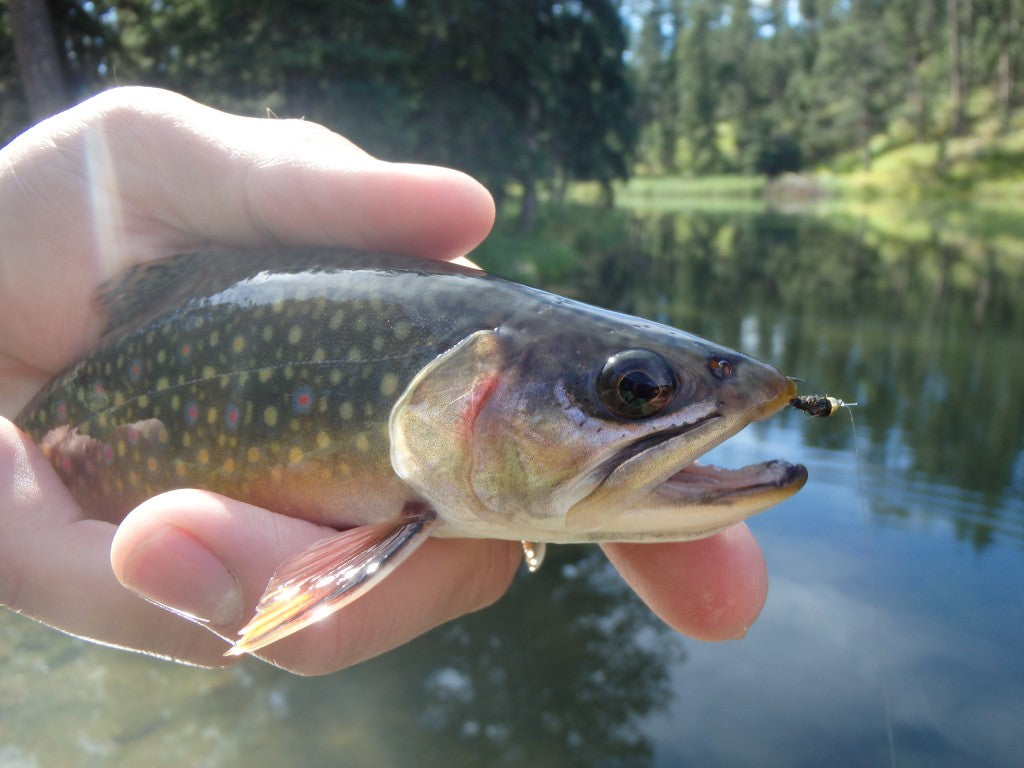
(588, 429)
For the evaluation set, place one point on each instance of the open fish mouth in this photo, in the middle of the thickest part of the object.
(707, 484)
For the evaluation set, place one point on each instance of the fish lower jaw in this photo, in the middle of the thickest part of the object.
(700, 500)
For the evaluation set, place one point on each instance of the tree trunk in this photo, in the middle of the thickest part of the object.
(958, 65)
(39, 64)
(1006, 65)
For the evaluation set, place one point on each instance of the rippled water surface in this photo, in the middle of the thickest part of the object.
(894, 629)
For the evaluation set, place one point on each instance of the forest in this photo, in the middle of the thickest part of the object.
(529, 94)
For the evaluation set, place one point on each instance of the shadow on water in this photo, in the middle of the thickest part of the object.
(925, 336)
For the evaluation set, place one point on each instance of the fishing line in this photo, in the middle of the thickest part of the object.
(883, 679)
(824, 406)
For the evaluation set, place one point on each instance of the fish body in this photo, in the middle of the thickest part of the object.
(369, 390)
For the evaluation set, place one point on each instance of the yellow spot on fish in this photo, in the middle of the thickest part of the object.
(277, 307)
(118, 399)
(228, 466)
(322, 440)
(161, 356)
(345, 411)
(186, 440)
(335, 377)
(270, 416)
(238, 344)
(163, 383)
(203, 456)
(252, 454)
(268, 332)
(336, 320)
(319, 355)
(215, 338)
(362, 443)
(264, 375)
(209, 372)
(122, 448)
(401, 330)
(133, 478)
(294, 425)
(388, 384)
(295, 334)
(175, 402)
(151, 464)
(143, 401)
(276, 474)
(355, 355)
(211, 416)
(294, 455)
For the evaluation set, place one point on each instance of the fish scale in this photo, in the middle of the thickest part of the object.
(395, 399)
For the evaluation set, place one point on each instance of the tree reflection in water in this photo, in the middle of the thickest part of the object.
(561, 675)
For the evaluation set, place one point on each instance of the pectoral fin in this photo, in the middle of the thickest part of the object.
(330, 574)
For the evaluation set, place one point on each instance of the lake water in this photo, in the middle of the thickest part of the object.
(894, 628)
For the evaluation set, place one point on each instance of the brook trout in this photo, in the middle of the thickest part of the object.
(396, 399)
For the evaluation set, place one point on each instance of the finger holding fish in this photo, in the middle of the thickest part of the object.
(211, 557)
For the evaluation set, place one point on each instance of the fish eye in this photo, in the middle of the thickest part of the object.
(636, 384)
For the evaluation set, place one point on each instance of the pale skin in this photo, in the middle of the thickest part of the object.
(135, 174)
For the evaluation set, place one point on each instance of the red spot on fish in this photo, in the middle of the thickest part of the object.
(191, 413)
(135, 370)
(302, 400)
(108, 454)
(132, 435)
(62, 409)
(231, 416)
(185, 351)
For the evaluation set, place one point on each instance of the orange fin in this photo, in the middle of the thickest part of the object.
(330, 574)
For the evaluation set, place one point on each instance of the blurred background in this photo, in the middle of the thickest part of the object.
(835, 186)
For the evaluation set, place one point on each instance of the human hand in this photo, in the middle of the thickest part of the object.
(135, 174)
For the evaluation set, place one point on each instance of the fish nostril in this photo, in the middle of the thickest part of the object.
(721, 367)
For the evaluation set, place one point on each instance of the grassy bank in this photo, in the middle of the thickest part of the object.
(958, 191)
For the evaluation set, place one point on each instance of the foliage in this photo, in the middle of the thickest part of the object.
(798, 84)
(506, 90)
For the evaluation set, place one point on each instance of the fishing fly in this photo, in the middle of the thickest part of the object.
(819, 405)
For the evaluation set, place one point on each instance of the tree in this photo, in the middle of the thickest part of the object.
(699, 94)
(42, 77)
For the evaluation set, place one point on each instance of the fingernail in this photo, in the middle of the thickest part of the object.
(175, 570)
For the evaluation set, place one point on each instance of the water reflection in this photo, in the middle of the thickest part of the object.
(563, 673)
(895, 600)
